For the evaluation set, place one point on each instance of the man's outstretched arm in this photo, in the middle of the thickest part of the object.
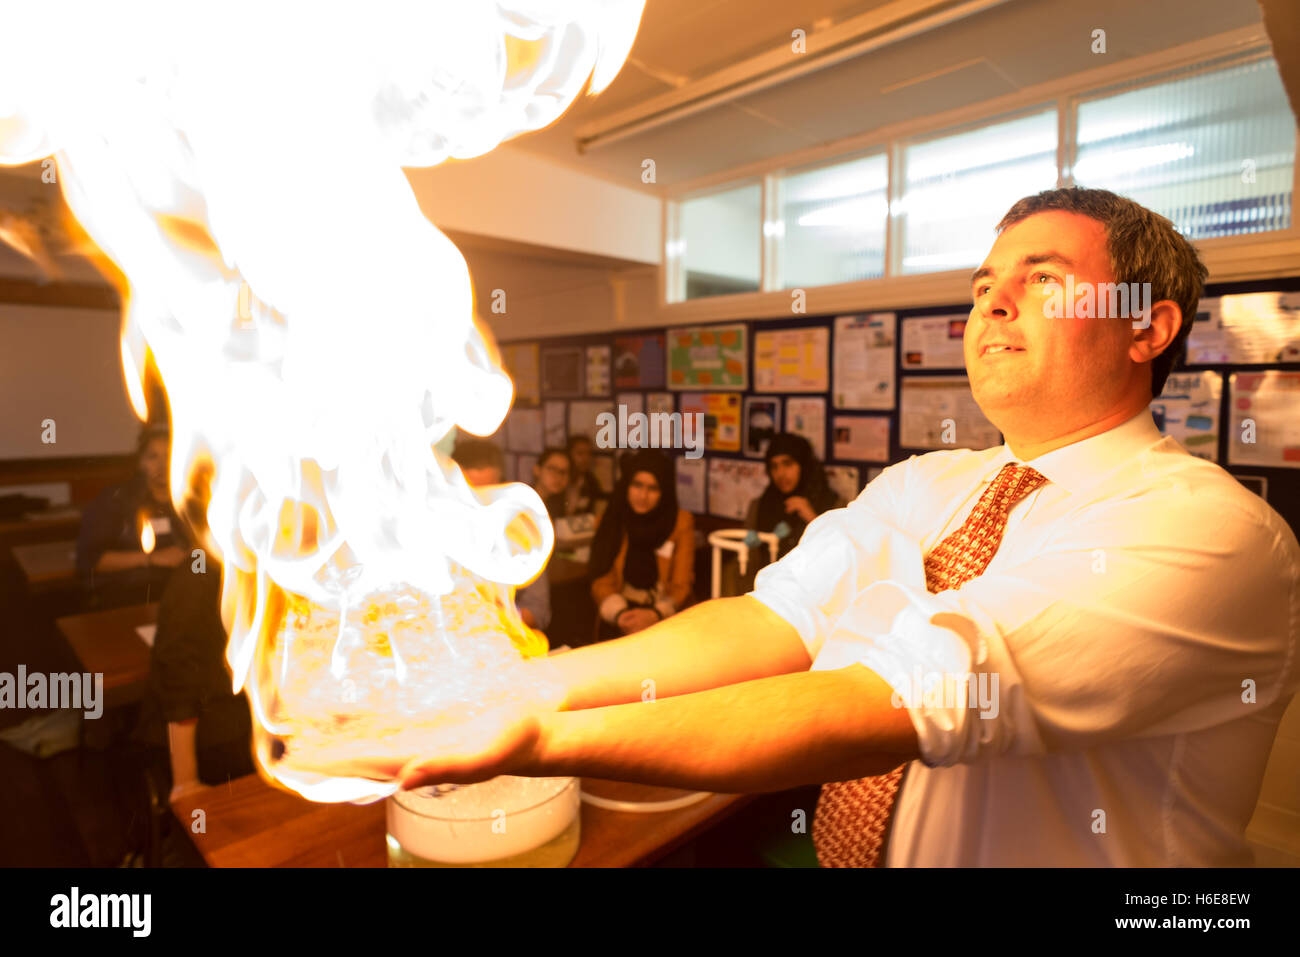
(709, 645)
(770, 734)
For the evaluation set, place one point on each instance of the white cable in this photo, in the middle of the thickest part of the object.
(646, 807)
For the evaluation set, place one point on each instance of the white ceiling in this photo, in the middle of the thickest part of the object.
(1014, 45)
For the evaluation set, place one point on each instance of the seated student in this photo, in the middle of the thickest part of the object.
(551, 479)
(796, 493)
(189, 711)
(584, 493)
(482, 463)
(111, 563)
(643, 555)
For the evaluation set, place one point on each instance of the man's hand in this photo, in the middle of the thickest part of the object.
(503, 741)
(636, 619)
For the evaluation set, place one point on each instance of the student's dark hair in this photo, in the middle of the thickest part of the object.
(578, 438)
(1143, 246)
(549, 452)
(472, 453)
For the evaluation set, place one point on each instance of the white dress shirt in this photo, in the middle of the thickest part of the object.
(1139, 619)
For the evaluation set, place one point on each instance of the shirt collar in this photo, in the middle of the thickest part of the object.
(1078, 465)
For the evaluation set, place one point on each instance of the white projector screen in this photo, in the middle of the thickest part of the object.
(62, 364)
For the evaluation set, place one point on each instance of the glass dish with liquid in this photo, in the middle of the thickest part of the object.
(506, 822)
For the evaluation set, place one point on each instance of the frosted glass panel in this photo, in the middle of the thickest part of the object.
(720, 242)
(1213, 152)
(833, 223)
(956, 188)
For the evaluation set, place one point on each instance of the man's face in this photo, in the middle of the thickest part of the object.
(1063, 373)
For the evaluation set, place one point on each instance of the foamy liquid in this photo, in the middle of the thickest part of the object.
(506, 822)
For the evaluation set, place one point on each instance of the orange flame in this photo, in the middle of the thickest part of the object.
(147, 538)
(315, 332)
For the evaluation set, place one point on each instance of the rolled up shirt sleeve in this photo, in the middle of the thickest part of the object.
(841, 552)
(1123, 625)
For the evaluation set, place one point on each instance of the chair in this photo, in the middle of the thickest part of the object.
(735, 540)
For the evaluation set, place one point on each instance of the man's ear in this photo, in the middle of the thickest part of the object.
(1155, 332)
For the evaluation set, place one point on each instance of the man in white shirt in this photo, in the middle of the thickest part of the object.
(1132, 639)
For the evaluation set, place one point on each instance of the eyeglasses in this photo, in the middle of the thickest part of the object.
(556, 469)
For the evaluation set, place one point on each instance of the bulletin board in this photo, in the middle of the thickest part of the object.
(873, 358)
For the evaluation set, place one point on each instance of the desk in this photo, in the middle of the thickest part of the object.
(47, 565)
(249, 823)
(66, 519)
(107, 641)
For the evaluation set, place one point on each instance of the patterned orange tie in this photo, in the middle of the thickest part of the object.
(853, 817)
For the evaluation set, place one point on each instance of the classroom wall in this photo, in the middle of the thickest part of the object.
(515, 195)
(63, 364)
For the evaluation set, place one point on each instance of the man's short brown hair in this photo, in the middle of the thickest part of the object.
(1143, 247)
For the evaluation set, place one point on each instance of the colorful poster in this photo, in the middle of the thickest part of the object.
(791, 360)
(1265, 419)
(711, 357)
(555, 424)
(582, 418)
(762, 421)
(861, 437)
(524, 430)
(1188, 409)
(733, 484)
(597, 370)
(721, 418)
(864, 361)
(1249, 328)
(691, 478)
(934, 342)
(843, 480)
(524, 465)
(520, 361)
(632, 401)
(939, 412)
(562, 370)
(659, 408)
(807, 417)
(639, 362)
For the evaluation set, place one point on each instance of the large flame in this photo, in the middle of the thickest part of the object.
(240, 165)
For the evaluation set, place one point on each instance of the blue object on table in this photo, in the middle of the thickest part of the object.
(751, 539)
(782, 530)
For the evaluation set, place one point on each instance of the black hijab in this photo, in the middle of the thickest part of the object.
(645, 533)
(812, 486)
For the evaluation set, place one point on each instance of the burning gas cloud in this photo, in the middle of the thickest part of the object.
(240, 166)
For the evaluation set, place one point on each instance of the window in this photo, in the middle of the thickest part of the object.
(1214, 152)
(833, 223)
(719, 242)
(956, 188)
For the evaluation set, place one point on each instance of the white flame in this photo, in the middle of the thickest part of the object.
(241, 164)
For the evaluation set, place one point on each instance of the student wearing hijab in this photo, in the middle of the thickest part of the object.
(643, 555)
(796, 493)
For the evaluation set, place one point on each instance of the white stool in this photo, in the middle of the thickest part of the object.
(733, 540)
